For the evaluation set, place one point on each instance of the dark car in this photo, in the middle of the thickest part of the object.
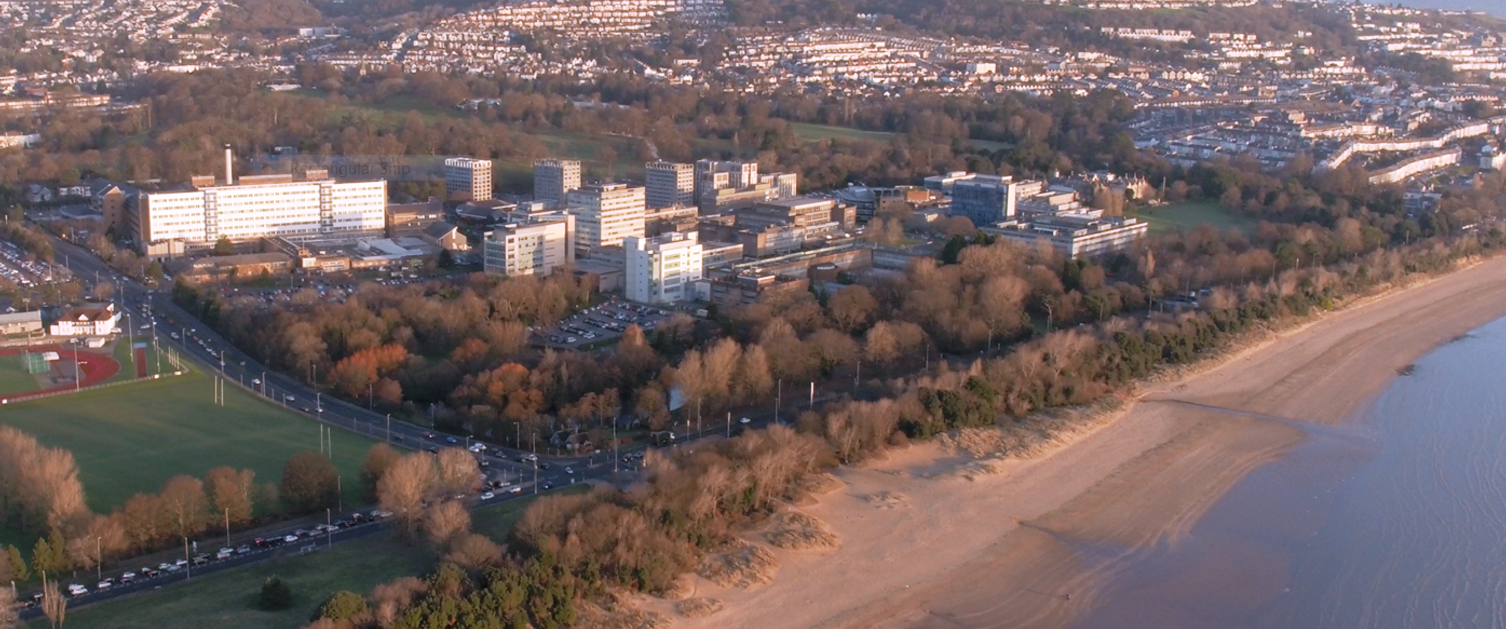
(261, 543)
(451, 440)
(428, 435)
(543, 466)
(548, 485)
(398, 438)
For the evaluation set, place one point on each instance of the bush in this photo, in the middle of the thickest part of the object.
(276, 595)
(341, 605)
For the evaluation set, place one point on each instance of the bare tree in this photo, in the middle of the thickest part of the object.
(310, 482)
(232, 493)
(145, 519)
(8, 615)
(405, 486)
(1002, 304)
(186, 505)
(54, 606)
(445, 520)
(458, 471)
(852, 307)
(474, 552)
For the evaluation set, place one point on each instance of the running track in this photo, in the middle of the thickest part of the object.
(96, 368)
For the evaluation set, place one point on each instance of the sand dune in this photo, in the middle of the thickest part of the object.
(1007, 548)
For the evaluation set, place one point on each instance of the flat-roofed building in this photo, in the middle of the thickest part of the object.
(535, 248)
(553, 179)
(467, 179)
(169, 222)
(605, 215)
(663, 269)
(1075, 235)
(984, 199)
(669, 184)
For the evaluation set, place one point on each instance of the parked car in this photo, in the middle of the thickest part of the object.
(488, 496)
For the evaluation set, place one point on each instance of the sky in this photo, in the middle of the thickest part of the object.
(1493, 7)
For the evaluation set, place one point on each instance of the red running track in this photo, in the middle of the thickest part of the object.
(96, 368)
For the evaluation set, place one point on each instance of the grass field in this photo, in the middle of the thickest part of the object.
(13, 376)
(227, 600)
(816, 132)
(134, 437)
(1189, 215)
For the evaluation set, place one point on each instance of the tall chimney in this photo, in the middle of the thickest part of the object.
(229, 172)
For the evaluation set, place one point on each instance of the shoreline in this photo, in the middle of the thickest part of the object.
(929, 541)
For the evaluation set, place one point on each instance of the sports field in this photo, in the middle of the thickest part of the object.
(1188, 215)
(132, 438)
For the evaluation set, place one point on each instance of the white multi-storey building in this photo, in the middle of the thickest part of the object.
(535, 248)
(669, 184)
(467, 179)
(553, 179)
(606, 214)
(171, 222)
(663, 269)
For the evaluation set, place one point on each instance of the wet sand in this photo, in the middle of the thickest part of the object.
(1007, 549)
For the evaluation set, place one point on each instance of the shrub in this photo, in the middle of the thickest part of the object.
(276, 595)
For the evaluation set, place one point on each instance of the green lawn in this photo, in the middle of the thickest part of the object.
(816, 132)
(132, 438)
(122, 354)
(1188, 215)
(14, 378)
(226, 600)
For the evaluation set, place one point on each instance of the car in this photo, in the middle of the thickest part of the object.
(516, 489)
(381, 513)
(484, 463)
(128, 577)
(543, 466)
(548, 485)
(451, 440)
(105, 584)
(290, 539)
(398, 438)
(434, 449)
(488, 496)
(260, 543)
(242, 549)
(164, 566)
(288, 398)
(146, 326)
(201, 560)
(224, 553)
(745, 420)
(256, 381)
(175, 336)
(428, 435)
(569, 470)
(77, 590)
(344, 524)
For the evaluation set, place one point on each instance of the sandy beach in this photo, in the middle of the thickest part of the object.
(1030, 543)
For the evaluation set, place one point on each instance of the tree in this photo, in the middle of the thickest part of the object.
(223, 247)
(186, 505)
(405, 486)
(275, 595)
(445, 520)
(379, 459)
(145, 519)
(54, 606)
(232, 493)
(852, 307)
(15, 565)
(341, 606)
(8, 612)
(310, 482)
(50, 555)
(458, 471)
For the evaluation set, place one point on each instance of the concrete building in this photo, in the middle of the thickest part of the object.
(662, 270)
(804, 212)
(605, 215)
(253, 207)
(411, 219)
(985, 199)
(467, 179)
(237, 267)
(944, 183)
(87, 320)
(553, 179)
(669, 184)
(535, 248)
(1491, 159)
(1075, 236)
(109, 200)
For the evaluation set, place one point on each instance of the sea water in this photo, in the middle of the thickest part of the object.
(1397, 519)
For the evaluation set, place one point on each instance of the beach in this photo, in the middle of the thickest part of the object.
(1030, 543)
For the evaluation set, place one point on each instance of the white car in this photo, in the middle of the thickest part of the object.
(515, 489)
(290, 539)
(256, 381)
(744, 421)
(488, 496)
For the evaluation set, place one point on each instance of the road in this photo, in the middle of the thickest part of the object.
(215, 355)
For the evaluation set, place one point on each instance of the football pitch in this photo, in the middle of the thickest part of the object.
(132, 438)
